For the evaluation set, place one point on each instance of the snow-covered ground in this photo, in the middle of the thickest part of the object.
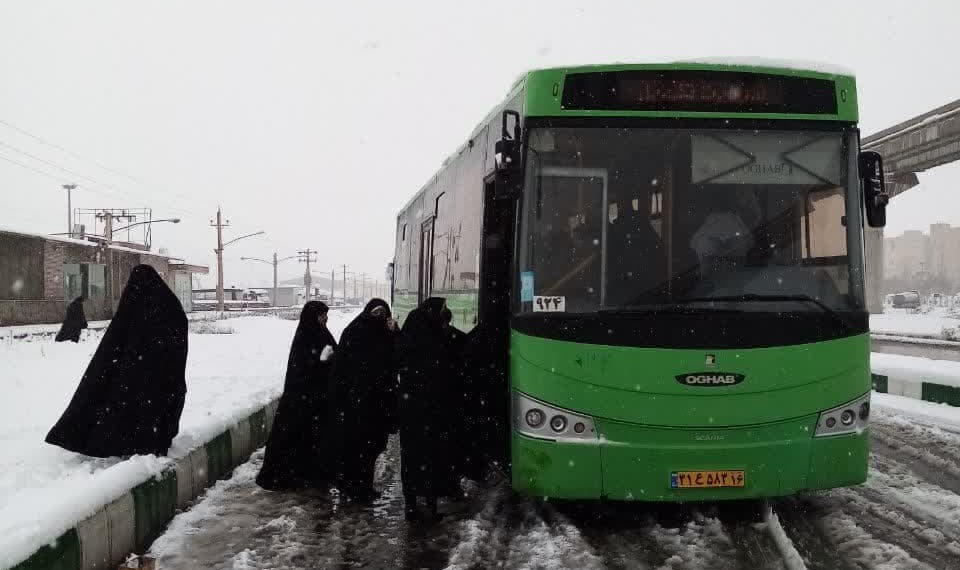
(44, 489)
(897, 322)
(906, 516)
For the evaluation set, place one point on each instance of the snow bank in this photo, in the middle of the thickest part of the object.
(45, 490)
(897, 323)
(941, 415)
(916, 369)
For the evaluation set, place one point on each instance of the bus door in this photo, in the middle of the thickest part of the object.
(496, 279)
(426, 261)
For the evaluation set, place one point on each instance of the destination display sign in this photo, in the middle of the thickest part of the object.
(775, 157)
(672, 90)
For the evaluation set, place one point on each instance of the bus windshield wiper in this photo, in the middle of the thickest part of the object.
(746, 297)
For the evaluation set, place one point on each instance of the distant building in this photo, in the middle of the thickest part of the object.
(918, 254)
(40, 275)
(287, 295)
(234, 299)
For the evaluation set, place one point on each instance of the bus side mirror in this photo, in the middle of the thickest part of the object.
(389, 272)
(875, 197)
(508, 177)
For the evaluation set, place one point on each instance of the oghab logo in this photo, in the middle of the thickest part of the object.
(709, 379)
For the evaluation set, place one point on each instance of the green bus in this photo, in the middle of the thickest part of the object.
(670, 260)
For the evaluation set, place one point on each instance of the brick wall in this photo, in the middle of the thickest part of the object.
(161, 264)
(54, 256)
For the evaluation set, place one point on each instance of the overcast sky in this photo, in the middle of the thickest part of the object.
(316, 121)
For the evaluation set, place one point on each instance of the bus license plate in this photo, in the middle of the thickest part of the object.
(702, 479)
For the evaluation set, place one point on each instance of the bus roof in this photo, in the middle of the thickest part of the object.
(542, 88)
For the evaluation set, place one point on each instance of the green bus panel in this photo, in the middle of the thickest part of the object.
(640, 469)
(548, 469)
(639, 385)
(650, 425)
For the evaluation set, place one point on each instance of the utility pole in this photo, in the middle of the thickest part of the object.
(69, 188)
(108, 217)
(333, 273)
(307, 278)
(219, 251)
(275, 263)
(344, 284)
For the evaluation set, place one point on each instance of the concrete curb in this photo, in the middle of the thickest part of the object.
(133, 521)
(916, 389)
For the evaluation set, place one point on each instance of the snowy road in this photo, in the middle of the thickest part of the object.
(907, 516)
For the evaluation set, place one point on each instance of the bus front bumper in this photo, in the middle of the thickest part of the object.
(638, 463)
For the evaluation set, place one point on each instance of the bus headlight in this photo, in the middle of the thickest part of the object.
(530, 419)
(848, 418)
(558, 423)
(535, 417)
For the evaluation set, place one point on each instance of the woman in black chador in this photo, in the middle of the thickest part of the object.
(130, 398)
(429, 410)
(364, 402)
(74, 323)
(296, 454)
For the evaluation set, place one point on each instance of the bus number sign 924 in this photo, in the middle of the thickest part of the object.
(549, 304)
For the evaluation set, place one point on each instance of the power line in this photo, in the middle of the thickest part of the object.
(70, 152)
(97, 163)
(116, 191)
(40, 172)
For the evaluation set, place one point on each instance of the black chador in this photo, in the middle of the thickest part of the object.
(130, 398)
(364, 402)
(73, 323)
(297, 456)
(429, 407)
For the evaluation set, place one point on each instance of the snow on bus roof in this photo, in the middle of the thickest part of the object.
(796, 64)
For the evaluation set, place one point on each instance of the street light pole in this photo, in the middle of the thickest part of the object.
(69, 188)
(219, 251)
(220, 224)
(276, 261)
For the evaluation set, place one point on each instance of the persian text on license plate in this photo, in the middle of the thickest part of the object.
(701, 479)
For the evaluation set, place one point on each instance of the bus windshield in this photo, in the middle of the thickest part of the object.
(621, 219)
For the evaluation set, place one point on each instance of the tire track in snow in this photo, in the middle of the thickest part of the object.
(756, 547)
(485, 538)
(927, 454)
(514, 533)
(892, 483)
(547, 540)
(866, 552)
(799, 520)
(619, 532)
(868, 534)
(640, 536)
(700, 544)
